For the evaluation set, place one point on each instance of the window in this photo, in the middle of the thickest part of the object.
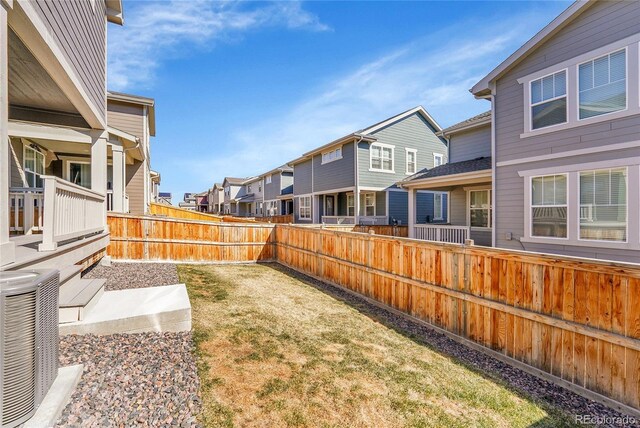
(268, 179)
(249, 188)
(260, 186)
(351, 205)
(603, 205)
(381, 158)
(80, 173)
(549, 206)
(227, 191)
(369, 204)
(412, 156)
(331, 156)
(603, 85)
(438, 159)
(305, 207)
(438, 206)
(480, 208)
(549, 100)
(33, 165)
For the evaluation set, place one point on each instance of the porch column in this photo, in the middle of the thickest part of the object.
(118, 178)
(99, 166)
(356, 206)
(411, 210)
(7, 247)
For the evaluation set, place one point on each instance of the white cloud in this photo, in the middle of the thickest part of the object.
(154, 31)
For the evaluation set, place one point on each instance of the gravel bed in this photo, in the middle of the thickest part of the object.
(539, 389)
(145, 380)
(121, 276)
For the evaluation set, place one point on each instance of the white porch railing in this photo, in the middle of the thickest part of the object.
(25, 209)
(441, 233)
(70, 211)
(368, 220)
(125, 201)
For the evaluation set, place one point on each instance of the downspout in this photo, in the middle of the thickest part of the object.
(356, 185)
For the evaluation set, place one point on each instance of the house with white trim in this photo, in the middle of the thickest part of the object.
(566, 136)
(278, 191)
(352, 180)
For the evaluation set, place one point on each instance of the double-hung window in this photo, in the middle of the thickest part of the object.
(438, 206)
(549, 206)
(549, 100)
(603, 205)
(351, 205)
(370, 204)
(480, 208)
(412, 156)
(381, 158)
(438, 159)
(33, 165)
(268, 179)
(304, 211)
(602, 85)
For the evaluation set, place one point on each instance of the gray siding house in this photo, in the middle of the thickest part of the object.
(278, 191)
(352, 180)
(566, 109)
(216, 199)
(466, 178)
(234, 191)
(252, 204)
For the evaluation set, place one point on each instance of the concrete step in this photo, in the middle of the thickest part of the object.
(159, 309)
(70, 273)
(78, 297)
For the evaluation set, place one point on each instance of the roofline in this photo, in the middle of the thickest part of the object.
(122, 134)
(339, 141)
(483, 87)
(150, 103)
(114, 11)
(485, 121)
(281, 168)
(417, 109)
(444, 180)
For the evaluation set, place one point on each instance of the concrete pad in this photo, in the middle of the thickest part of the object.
(57, 398)
(137, 310)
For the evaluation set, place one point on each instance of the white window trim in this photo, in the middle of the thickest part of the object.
(440, 156)
(529, 225)
(415, 160)
(322, 157)
(631, 44)
(480, 189)
(26, 147)
(67, 167)
(353, 200)
(393, 158)
(268, 179)
(300, 207)
(573, 204)
(441, 215)
(531, 105)
(365, 204)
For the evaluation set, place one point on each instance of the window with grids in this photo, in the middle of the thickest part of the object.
(381, 158)
(369, 204)
(33, 165)
(480, 208)
(437, 206)
(603, 205)
(438, 159)
(331, 156)
(549, 206)
(304, 210)
(351, 205)
(602, 85)
(411, 161)
(549, 100)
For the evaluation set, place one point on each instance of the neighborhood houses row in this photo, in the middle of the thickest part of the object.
(553, 167)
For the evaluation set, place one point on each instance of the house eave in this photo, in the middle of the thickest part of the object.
(484, 122)
(465, 178)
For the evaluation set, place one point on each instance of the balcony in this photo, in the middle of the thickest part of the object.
(441, 233)
(363, 220)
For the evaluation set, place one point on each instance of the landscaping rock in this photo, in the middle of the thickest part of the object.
(122, 275)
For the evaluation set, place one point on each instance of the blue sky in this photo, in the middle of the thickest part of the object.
(243, 87)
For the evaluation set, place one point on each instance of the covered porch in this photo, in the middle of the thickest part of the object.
(468, 185)
(343, 207)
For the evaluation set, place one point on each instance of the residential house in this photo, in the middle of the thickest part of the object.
(278, 191)
(53, 108)
(216, 199)
(234, 191)
(188, 202)
(252, 203)
(131, 115)
(202, 201)
(155, 186)
(353, 179)
(164, 198)
(466, 178)
(566, 115)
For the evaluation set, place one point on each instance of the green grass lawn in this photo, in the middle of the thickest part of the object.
(273, 351)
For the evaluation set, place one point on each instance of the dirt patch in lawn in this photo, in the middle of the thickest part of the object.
(273, 351)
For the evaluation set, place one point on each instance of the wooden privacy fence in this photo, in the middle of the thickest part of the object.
(578, 322)
(278, 219)
(386, 230)
(169, 239)
(175, 212)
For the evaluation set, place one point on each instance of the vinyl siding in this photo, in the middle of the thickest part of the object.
(458, 206)
(334, 175)
(412, 132)
(135, 187)
(296, 211)
(79, 29)
(601, 24)
(15, 160)
(272, 190)
(481, 237)
(424, 208)
(126, 117)
(286, 183)
(398, 206)
(471, 144)
(302, 178)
